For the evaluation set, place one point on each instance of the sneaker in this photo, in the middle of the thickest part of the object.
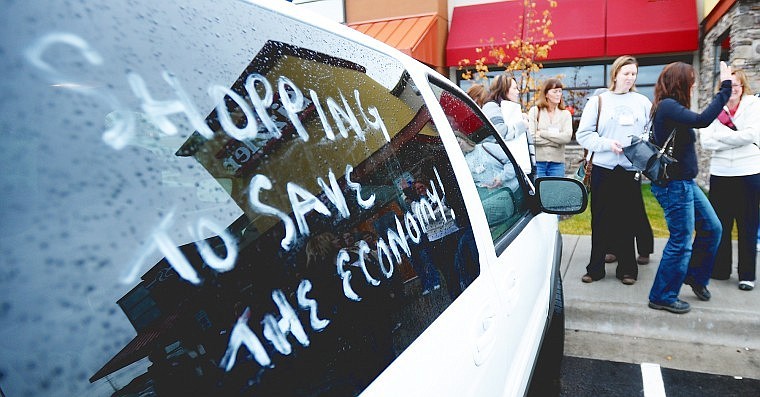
(429, 290)
(746, 285)
(677, 307)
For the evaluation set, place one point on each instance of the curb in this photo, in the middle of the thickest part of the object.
(730, 318)
(701, 325)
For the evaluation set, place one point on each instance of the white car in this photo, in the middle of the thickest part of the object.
(238, 198)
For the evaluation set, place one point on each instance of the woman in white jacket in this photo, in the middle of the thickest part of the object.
(735, 178)
(502, 107)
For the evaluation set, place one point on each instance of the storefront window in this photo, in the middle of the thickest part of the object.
(722, 51)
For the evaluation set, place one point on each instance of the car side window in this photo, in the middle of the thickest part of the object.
(362, 226)
(496, 176)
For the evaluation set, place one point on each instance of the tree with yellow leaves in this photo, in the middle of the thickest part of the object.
(527, 49)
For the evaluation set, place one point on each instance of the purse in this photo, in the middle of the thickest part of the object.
(651, 160)
(583, 173)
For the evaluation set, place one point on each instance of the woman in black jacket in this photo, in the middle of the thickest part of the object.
(685, 205)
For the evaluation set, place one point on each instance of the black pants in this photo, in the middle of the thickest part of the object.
(736, 198)
(616, 207)
(643, 231)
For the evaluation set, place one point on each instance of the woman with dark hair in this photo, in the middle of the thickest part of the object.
(685, 205)
(735, 178)
(478, 93)
(551, 126)
(502, 107)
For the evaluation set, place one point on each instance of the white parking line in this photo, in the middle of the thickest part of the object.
(652, 379)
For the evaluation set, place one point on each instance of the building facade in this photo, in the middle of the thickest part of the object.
(730, 32)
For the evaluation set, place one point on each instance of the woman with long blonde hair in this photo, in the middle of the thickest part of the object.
(617, 208)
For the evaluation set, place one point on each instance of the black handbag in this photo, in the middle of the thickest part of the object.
(651, 160)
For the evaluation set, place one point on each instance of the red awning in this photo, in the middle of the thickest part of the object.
(475, 26)
(583, 28)
(639, 27)
(414, 35)
(136, 349)
(578, 27)
(461, 115)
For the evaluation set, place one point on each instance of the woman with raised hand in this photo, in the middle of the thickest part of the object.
(685, 206)
(617, 208)
(735, 178)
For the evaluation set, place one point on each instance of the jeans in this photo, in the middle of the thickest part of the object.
(422, 263)
(686, 208)
(466, 262)
(549, 168)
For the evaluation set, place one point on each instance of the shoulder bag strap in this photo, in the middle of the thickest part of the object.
(590, 156)
(672, 135)
(492, 155)
(668, 142)
(598, 112)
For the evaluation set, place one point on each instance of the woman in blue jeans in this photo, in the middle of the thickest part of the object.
(685, 206)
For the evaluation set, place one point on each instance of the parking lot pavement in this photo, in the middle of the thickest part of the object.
(615, 312)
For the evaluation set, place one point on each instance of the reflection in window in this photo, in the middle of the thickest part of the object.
(492, 170)
(354, 238)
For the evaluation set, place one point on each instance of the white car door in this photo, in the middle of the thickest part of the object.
(517, 249)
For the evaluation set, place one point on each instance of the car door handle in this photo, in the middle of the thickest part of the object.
(486, 337)
(511, 289)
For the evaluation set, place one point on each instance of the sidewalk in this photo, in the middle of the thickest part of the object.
(612, 311)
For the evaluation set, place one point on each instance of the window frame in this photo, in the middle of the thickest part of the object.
(528, 209)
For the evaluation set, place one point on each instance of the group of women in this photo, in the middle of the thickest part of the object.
(549, 122)
(730, 128)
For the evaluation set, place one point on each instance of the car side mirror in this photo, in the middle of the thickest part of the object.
(564, 196)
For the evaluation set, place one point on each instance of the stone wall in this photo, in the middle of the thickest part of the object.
(742, 23)
(573, 156)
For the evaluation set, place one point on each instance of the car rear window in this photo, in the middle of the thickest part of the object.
(284, 223)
